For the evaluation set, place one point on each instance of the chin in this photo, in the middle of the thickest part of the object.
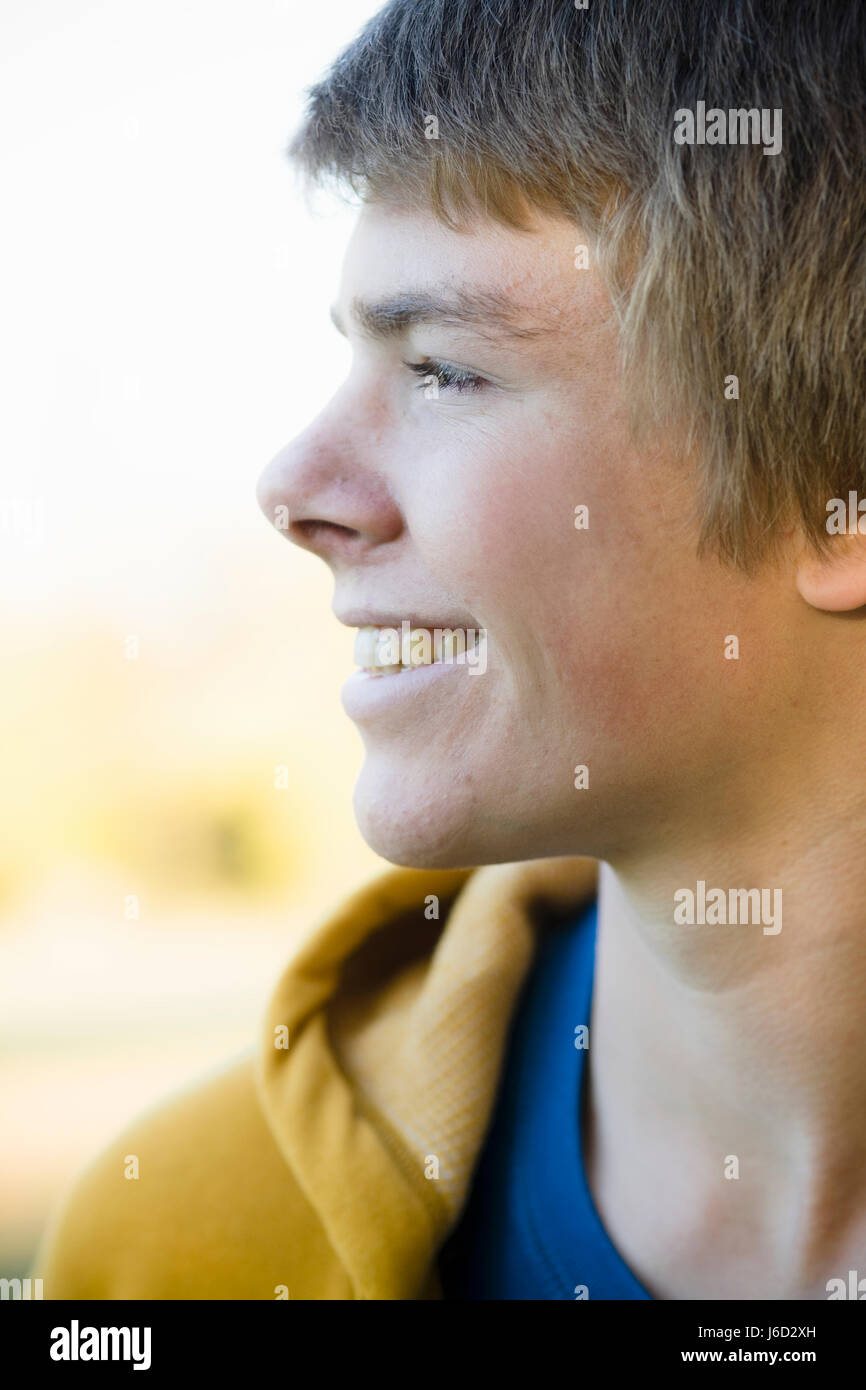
(431, 829)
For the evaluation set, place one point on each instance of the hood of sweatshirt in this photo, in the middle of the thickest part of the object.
(382, 1049)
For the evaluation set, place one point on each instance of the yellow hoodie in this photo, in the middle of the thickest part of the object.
(332, 1161)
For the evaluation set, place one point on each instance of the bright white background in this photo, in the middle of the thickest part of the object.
(163, 332)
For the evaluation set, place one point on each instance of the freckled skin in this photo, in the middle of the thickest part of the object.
(604, 645)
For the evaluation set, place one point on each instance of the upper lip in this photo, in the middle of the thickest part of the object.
(368, 617)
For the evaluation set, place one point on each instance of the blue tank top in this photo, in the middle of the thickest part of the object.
(530, 1229)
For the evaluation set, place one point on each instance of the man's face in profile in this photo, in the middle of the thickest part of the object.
(513, 500)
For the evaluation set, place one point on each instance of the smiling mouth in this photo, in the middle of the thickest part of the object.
(387, 651)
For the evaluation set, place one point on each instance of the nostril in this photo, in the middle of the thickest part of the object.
(314, 532)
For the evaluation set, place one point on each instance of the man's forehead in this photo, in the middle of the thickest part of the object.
(405, 268)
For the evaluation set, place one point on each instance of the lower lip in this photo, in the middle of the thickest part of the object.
(363, 695)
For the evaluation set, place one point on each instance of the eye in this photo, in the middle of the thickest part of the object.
(449, 378)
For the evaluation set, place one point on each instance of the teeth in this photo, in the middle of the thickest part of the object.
(366, 646)
(377, 647)
(449, 644)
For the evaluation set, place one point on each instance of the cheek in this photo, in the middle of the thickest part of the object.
(588, 622)
(497, 527)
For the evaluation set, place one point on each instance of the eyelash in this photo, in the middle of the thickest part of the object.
(449, 378)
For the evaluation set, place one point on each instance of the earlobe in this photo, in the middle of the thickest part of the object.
(836, 580)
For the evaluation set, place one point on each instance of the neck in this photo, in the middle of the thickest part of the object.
(724, 1040)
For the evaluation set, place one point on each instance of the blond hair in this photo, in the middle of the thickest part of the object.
(720, 261)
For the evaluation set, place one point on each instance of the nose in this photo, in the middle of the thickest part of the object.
(323, 492)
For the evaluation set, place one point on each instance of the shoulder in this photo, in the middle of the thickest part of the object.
(193, 1200)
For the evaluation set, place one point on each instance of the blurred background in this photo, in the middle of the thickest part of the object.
(163, 652)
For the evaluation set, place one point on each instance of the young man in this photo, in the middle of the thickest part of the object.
(602, 1035)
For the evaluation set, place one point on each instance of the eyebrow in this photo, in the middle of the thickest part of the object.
(489, 313)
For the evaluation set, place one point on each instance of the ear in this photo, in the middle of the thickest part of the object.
(836, 580)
